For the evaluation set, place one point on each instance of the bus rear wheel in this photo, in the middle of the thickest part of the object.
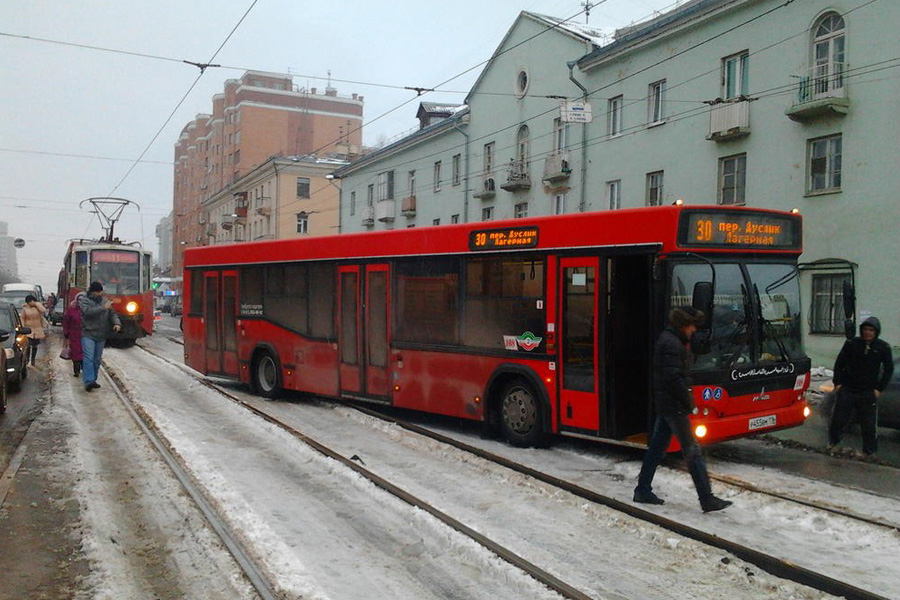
(265, 375)
(520, 415)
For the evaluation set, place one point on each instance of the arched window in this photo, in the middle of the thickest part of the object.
(828, 54)
(522, 145)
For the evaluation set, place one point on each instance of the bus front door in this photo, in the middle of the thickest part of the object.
(581, 397)
(219, 317)
(364, 332)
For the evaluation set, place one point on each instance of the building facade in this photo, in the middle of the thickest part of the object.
(758, 103)
(258, 116)
(9, 269)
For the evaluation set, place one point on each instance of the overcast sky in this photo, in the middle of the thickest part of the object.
(75, 119)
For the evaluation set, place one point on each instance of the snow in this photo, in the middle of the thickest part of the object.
(320, 530)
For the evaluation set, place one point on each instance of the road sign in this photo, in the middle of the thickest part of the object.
(19, 243)
(575, 111)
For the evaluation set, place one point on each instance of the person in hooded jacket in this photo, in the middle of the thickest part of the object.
(97, 319)
(861, 372)
(673, 403)
(71, 325)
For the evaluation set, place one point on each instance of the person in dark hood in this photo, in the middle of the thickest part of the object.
(97, 319)
(861, 372)
(673, 403)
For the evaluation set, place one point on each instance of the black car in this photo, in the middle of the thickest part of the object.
(888, 402)
(56, 315)
(15, 346)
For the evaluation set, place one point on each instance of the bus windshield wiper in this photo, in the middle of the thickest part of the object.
(770, 329)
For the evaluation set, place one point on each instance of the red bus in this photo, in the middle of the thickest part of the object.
(125, 272)
(536, 326)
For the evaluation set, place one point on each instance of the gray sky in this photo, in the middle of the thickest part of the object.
(75, 120)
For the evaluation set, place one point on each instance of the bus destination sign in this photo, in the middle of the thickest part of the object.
(732, 230)
(510, 238)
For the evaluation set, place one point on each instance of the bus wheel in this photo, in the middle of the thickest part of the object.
(520, 415)
(266, 380)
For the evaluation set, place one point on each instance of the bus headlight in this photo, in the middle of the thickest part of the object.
(131, 307)
(700, 431)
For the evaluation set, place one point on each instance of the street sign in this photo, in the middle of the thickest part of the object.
(19, 243)
(575, 111)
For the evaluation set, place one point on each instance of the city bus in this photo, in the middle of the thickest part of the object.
(535, 327)
(124, 270)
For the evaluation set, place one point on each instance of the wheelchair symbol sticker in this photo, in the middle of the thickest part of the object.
(718, 394)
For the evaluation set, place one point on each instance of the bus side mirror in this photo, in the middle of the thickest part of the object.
(702, 300)
(849, 294)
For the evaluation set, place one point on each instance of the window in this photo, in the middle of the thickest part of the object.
(411, 183)
(455, 167)
(735, 76)
(303, 187)
(827, 314)
(559, 204)
(302, 223)
(299, 297)
(521, 82)
(825, 164)
(488, 159)
(654, 188)
(732, 179)
(487, 213)
(436, 222)
(828, 54)
(427, 301)
(437, 176)
(521, 210)
(522, 145)
(352, 203)
(385, 186)
(560, 135)
(454, 219)
(370, 195)
(656, 98)
(237, 156)
(614, 116)
(614, 194)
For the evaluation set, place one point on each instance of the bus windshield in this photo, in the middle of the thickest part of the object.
(118, 270)
(756, 313)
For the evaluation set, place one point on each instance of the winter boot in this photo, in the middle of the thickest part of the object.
(712, 503)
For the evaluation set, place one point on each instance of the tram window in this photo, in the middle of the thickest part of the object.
(81, 270)
(502, 297)
(196, 292)
(148, 270)
(321, 301)
(428, 301)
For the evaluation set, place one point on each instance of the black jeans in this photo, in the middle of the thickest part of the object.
(864, 404)
(663, 428)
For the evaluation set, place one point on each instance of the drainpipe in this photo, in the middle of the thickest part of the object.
(277, 200)
(466, 188)
(582, 203)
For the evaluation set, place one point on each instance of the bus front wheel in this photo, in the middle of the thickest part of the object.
(520, 414)
(266, 380)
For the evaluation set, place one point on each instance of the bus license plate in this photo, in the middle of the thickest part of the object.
(760, 422)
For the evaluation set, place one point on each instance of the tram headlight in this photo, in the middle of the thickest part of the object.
(131, 307)
(700, 431)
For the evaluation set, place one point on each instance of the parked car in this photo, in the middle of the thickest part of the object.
(4, 335)
(15, 346)
(888, 403)
(56, 315)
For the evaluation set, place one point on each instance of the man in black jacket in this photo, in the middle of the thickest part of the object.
(673, 402)
(861, 372)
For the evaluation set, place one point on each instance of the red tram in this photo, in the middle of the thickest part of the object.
(124, 270)
(538, 326)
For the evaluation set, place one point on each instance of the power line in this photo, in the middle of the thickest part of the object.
(86, 156)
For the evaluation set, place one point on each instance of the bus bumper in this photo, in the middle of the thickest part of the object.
(725, 428)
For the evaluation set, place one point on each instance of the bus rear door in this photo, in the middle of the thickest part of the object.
(364, 332)
(219, 316)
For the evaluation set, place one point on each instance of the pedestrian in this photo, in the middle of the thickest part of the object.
(71, 325)
(861, 372)
(97, 318)
(33, 317)
(673, 403)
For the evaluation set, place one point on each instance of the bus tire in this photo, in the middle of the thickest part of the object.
(520, 414)
(266, 375)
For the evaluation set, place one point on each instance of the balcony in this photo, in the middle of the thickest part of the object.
(729, 120)
(517, 178)
(822, 92)
(227, 223)
(210, 229)
(385, 211)
(368, 216)
(488, 189)
(408, 206)
(264, 208)
(556, 167)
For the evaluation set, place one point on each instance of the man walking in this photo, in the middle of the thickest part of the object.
(673, 402)
(97, 318)
(861, 372)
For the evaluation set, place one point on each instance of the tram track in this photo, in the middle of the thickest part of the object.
(776, 566)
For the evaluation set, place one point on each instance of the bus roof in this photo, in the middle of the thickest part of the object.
(662, 226)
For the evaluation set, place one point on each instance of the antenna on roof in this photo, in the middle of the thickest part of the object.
(588, 5)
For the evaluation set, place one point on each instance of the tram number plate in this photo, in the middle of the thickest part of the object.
(760, 422)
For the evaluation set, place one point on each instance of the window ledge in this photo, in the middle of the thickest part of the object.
(828, 192)
(656, 124)
(613, 136)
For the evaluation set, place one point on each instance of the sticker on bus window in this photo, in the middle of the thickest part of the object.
(579, 279)
(509, 342)
(528, 341)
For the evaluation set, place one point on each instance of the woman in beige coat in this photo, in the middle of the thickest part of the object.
(33, 316)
